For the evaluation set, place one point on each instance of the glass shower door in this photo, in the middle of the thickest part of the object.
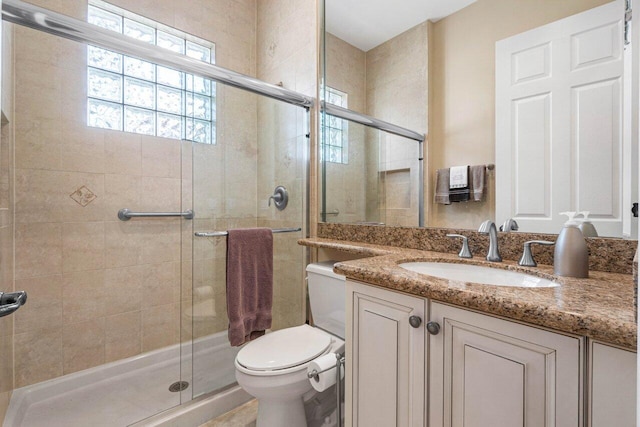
(103, 316)
(260, 144)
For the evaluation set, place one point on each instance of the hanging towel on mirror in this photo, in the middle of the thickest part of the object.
(476, 182)
(459, 177)
(249, 283)
(442, 187)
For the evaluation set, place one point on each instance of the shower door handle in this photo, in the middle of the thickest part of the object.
(11, 301)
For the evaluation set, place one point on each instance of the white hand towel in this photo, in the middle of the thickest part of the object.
(459, 176)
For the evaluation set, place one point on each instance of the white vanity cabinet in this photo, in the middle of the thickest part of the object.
(385, 358)
(485, 371)
(612, 386)
(476, 371)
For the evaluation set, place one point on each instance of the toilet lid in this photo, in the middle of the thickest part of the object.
(284, 348)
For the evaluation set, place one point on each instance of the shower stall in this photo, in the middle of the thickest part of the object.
(126, 317)
(371, 170)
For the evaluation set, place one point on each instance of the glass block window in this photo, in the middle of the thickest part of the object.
(335, 130)
(132, 95)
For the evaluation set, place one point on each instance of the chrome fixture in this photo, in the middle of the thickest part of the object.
(178, 386)
(509, 226)
(333, 212)
(280, 197)
(415, 321)
(339, 366)
(363, 119)
(527, 256)
(11, 301)
(126, 214)
(433, 328)
(226, 233)
(465, 252)
(489, 227)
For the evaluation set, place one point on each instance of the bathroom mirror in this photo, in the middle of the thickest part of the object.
(430, 68)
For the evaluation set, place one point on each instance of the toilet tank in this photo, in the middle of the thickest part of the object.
(327, 297)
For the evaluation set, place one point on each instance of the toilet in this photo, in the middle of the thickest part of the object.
(273, 368)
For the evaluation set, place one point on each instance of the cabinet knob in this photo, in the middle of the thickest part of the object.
(415, 321)
(433, 328)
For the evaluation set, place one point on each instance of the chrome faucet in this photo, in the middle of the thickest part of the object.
(488, 227)
(509, 225)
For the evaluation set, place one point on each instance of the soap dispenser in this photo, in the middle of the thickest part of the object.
(586, 226)
(571, 256)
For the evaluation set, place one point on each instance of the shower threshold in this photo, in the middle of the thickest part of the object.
(127, 391)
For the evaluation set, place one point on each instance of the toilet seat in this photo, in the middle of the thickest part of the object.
(284, 349)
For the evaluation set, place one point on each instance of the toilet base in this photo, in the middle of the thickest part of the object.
(281, 413)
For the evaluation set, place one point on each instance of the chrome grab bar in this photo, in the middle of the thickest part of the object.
(126, 214)
(333, 212)
(226, 233)
(11, 301)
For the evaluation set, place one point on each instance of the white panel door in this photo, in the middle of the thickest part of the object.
(488, 372)
(385, 363)
(559, 115)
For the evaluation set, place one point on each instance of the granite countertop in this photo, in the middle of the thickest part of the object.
(600, 307)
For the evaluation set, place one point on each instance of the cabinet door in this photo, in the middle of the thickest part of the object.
(612, 386)
(385, 358)
(487, 372)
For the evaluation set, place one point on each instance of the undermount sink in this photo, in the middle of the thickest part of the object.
(478, 274)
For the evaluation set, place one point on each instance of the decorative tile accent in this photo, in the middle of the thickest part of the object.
(83, 196)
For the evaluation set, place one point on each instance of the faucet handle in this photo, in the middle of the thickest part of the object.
(527, 256)
(465, 252)
(509, 225)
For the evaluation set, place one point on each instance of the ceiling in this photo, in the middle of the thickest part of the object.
(367, 23)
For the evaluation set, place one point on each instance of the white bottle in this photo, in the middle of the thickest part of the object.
(571, 255)
(586, 226)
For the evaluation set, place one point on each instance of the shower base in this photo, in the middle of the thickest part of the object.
(130, 390)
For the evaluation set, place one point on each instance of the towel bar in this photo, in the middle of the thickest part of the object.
(126, 214)
(333, 212)
(226, 233)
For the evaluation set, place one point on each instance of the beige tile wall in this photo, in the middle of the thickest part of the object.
(388, 82)
(87, 272)
(103, 289)
(6, 219)
(346, 70)
(397, 93)
(287, 54)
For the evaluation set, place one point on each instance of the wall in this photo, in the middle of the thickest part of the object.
(286, 55)
(101, 289)
(397, 92)
(6, 218)
(346, 71)
(388, 82)
(462, 91)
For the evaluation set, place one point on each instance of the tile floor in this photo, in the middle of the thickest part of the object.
(242, 416)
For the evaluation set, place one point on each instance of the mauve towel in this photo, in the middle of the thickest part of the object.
(249, 283)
